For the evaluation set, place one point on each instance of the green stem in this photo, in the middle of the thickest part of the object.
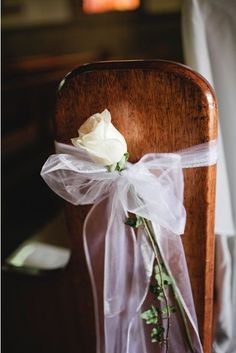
(149, 234)
(148, 228)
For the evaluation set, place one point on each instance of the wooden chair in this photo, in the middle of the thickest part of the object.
(158, 106)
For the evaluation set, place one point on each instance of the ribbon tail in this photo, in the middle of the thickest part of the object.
(94, 248)
(143, 268)
(172, 253)
(120, 266)
(124, 329)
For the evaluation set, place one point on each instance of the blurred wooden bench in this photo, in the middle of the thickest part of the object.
(29, 86)
(159, 107)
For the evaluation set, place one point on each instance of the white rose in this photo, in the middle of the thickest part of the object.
(103, 142)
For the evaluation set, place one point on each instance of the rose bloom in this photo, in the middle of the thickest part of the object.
(103, 142)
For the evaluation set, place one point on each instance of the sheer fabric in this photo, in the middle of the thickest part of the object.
(209, 32)
(120, 263)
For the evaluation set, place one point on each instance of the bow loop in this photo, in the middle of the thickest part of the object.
(78, 181)
(154, 188)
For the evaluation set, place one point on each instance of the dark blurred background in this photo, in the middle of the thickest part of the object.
(42, 40)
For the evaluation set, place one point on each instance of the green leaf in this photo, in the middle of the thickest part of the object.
(134, 221)
(131, 221)
(111, 168)
(139, 221)
(160, 297)
(154, 289)
(150, 316)
(121, 164)
(168, 309)
(157, 334)
(157, 291)
(162, 277)
(154, 335)
(126, 155)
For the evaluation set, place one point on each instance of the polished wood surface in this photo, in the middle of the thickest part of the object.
(158, 106)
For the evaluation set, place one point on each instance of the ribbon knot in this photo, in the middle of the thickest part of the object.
(151, 188)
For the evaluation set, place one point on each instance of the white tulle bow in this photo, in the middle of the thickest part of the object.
(120, 263)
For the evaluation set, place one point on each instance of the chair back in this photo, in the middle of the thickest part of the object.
(158, 106)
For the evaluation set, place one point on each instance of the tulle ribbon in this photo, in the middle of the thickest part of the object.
(120, 262)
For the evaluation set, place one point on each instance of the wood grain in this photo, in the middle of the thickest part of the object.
(158, 106)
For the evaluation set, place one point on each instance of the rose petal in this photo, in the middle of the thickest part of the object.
(106, 152)
(103, 142)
